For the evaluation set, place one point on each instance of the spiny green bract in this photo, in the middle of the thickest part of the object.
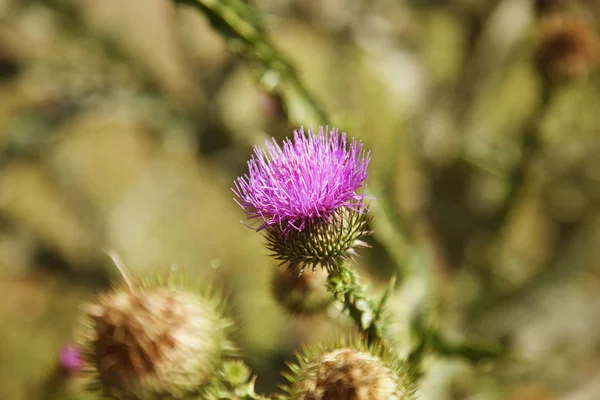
(234, 381)
(325, 243)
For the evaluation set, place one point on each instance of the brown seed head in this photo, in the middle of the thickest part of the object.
(146, 344)
(347, 374)
(569, 47)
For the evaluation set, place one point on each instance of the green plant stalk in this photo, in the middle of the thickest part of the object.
(343, 283)
(432, 341)
(241, 25)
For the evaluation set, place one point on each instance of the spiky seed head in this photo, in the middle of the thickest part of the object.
(324, 243)
(301, 294)
(154, 343)
(349, 372)
(569, 47)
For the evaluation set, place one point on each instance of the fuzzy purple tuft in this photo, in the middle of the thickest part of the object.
(308, 179)
(70, 358)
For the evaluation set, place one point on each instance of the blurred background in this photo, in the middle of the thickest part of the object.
(124, 123)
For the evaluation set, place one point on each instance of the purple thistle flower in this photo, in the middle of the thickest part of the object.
(306, 180)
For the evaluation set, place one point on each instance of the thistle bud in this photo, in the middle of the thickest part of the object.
(569, 47)
(304, 293)
(152, 343)
(234, 381)
(352, 371)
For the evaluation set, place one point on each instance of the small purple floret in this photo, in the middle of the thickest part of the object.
(306, 179)
(70, 358)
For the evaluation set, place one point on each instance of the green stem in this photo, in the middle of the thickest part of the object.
(432, 341)
(241, 25)
(344, 285)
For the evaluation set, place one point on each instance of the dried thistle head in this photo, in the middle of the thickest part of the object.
(351, 371)
(301, 294)
(150, 343)
(569, 47)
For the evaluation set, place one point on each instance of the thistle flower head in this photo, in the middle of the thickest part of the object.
(349, 371)
(153, 343)
(307, 179)
(305, 197)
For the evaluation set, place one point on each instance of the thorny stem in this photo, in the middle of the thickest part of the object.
(432, 340)
(344, 285)
(241, 26)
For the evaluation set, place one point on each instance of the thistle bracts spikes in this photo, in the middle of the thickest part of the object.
(145, 342)
(234, 381)
(349, 370)
(301, 294)
(325, 243)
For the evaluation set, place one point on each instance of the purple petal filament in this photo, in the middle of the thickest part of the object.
(303, 180)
